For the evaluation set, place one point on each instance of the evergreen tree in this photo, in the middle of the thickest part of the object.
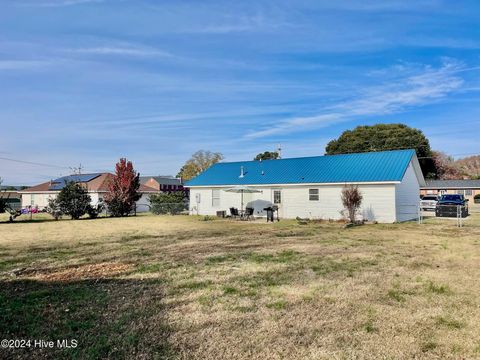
(73, 200)
(383, 137)
(267, 155)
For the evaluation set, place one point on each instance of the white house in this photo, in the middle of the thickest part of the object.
(96, 185)
(310, 187)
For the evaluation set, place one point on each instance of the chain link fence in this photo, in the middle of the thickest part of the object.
(455, 212)
(169, 208)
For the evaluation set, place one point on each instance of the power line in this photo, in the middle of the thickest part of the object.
(34, 163)
(75, 170)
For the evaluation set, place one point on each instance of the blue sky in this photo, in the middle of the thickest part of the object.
(89, 81)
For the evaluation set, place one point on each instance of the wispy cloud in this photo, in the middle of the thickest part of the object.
(121, 51)
(58, 3)
(426, 86)
(377, 6)
(238, 24)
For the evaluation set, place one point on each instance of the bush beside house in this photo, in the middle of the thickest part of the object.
(73, 200)
(168, 203)
(351, 200)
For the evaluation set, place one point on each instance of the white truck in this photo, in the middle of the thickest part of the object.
(429, 203)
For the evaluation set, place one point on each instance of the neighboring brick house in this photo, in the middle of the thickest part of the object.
(96, 185)
(162, 183)
(468, 188)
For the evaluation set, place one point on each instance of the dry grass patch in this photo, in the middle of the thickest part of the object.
(75, 273)
(180, 287)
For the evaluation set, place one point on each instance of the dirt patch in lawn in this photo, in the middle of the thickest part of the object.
(82, 272)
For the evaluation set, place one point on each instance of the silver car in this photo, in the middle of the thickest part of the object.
(429, 202)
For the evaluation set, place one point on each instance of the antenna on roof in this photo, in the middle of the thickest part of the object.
(279, 150)
(77, 170)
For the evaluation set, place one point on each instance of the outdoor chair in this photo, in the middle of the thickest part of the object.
(234, 212)
(248, 214)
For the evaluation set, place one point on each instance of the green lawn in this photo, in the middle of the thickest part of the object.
(183, 288)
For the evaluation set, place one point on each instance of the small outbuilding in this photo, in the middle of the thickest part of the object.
(310, 187)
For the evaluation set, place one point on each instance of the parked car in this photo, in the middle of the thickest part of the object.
(452, 205)
(429, 202)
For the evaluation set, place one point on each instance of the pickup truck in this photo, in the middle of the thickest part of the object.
(452, 199)
(429, 202)
(452, 205)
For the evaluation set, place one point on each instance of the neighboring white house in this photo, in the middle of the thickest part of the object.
(96, 185)
(310, 187)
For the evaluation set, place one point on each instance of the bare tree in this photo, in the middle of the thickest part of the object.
(199, 162)
(352, 200)
(447, 169)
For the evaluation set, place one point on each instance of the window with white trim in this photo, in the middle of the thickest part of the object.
(215, 197)
(277, 197)
(313, 195)
(468, 192)
(32, 199)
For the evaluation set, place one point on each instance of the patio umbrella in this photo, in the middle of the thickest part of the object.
(242, 189)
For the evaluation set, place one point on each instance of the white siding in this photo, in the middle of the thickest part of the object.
(39, 200)
(378, 201)
(227, 200)
(407, 196)
(94, 197)
(143, 204)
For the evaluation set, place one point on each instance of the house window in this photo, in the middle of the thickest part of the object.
(32, 199)
(277, 197)
(313, 195)
(215, 198)
(468, 192)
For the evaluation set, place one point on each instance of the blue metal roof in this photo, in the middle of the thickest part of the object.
(58, 184)
(358, 167)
